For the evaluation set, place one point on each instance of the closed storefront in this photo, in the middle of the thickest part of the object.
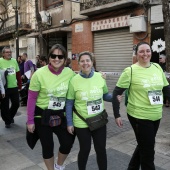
(113, 52)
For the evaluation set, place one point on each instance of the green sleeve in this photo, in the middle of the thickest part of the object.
(71, 92)
(35, 83)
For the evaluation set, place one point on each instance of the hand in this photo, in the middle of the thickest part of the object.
(119, 98)
(70, 129)
(31, 128)
(3, 95)
(103, 75)
(119, 122)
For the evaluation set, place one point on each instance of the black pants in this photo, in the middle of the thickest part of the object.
(8, 113)
(145, 132)
(45, 133)
(99, 139)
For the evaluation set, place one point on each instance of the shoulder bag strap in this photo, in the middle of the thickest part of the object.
(75, 111)
(130, 80)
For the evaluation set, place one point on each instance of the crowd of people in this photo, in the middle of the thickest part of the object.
(65, 106)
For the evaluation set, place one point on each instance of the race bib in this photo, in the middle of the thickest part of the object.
(56, 103)
(155, 97)
(11, 71)
(94, 107)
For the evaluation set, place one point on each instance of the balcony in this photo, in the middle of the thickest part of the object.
(93, 7)
(9, 26)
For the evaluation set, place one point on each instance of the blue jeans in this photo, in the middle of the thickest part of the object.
(145, 132)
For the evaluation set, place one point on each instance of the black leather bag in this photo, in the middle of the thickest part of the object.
(95, 122)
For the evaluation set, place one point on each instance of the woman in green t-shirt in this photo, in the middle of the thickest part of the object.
(46, 107)
(145, 81)
(86, 93)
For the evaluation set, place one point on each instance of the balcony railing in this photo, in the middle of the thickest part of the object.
(9, 26)
(90, 7)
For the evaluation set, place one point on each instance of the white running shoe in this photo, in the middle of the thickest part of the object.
(57, 167)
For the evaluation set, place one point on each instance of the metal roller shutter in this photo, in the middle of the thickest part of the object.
(113, 52)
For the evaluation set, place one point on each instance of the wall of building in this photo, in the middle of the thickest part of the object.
(82, 39)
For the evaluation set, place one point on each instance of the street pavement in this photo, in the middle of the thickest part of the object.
(16, 155)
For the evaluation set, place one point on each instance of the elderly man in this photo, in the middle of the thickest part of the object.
(11, 93)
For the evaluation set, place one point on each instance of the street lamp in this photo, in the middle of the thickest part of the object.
(16, 6)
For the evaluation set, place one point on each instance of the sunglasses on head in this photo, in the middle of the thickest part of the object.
(53, 56)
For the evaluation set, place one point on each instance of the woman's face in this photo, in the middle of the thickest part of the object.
(144, 54)
(85, 64)
(56, 63)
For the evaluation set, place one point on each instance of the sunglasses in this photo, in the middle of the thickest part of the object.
(53, 56)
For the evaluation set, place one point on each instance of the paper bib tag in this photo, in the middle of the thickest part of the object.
(56, 103)
(155, 97)
(94, 107)
(11, 71)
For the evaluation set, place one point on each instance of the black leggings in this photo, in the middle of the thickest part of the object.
(45, 133)
(145, 132)
(99, 138)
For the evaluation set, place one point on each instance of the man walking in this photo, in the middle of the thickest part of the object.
(13, 83)
(29, 69)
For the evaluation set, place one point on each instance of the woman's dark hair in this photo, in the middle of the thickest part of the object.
(85, 53)
(139, 44)
(59, 47)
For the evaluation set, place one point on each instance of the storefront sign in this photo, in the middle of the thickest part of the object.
(116, 22)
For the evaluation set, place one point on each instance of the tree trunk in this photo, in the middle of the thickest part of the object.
(166, 17)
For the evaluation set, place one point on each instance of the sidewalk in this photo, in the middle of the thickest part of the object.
(16, 155)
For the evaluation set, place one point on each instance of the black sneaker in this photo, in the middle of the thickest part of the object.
(12, 121)
(8, 126)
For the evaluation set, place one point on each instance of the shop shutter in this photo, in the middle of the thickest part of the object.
(113, 53)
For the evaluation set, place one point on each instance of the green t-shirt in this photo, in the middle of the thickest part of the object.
(145, 91)
(52, 88)
(12, 67)
(88, 96)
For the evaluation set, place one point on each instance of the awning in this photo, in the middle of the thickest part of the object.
(60, 29)
(4, 43)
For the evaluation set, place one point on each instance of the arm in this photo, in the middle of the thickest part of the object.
(69, 115)
(166, 91)
(2, 88)
(18, 76)
(32, 98)
(107, 97)
(116, 105)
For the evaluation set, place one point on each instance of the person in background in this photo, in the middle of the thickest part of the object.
(8, 111)
(162, 62)
(29, 70)
(47, 92)
(38, 65)
(43, 61)
(68, 63)
(2, 90)
(21, 67)
(145, 81)
(87, 90)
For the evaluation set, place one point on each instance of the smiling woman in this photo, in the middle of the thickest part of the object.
(46, 104)
(147, 84)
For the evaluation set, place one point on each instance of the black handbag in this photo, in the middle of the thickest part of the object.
(95, 122)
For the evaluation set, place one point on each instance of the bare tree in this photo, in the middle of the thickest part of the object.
(3, 12)
(166, 17)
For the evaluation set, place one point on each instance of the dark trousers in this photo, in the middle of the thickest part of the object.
(85, 137)
(8, 112)
(145, 132)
